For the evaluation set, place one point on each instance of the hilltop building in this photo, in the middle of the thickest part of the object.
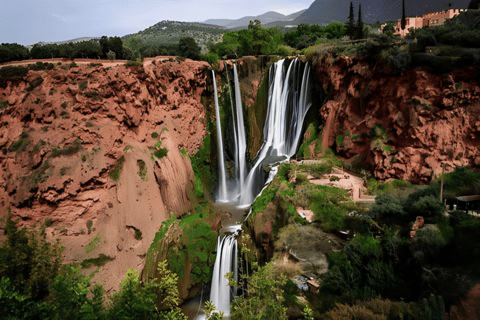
(431, 19)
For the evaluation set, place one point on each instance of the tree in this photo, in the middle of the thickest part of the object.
(28, 259)
(139, 301)
(188, 48)
(404, 20)
(351, 23)
(264, 298)
(360, 23)
(473, 5)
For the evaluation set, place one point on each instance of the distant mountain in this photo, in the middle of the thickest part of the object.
(265, 18)
(325, 11)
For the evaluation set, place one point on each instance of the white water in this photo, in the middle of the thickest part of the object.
(241, 146)
(222, 188)
(288, 103)
(221, 293)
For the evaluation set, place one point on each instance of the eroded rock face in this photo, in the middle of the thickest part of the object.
(431, 120)
(61, 141)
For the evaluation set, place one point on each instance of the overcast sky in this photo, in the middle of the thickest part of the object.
(30, 21)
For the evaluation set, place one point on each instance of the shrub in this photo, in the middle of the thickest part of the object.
(263, 200)
(3, 104)
(142, 169)
(93, 244)
(35, 83)
(138, 234)
(83, 85)
(100, 261)
(211, 58)
(134, 63)
(154, 135)
(74, 148)
(115, 173)
(89, 226)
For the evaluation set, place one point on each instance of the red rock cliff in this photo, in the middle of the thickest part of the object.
(430, 119)
(65, 130)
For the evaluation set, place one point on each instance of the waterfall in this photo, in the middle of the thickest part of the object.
(226, 261)
(222, 188)
(289, 99)
(241, 146)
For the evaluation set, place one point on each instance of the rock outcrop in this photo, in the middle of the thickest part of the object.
(94, 152)
(427, 120)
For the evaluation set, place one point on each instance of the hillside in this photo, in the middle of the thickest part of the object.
(268, 17)
(169, 32)
(326, 11)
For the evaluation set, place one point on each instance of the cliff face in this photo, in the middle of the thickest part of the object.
(78, 151)
(404, 126)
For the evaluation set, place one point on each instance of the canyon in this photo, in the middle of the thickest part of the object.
(102, 153)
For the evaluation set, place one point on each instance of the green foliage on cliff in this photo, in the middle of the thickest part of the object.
(310, 135)
(201, 167)
(263, 200)
(115, 173)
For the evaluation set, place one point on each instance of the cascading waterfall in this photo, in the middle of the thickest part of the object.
(289, 100)
(241, 146)
(226, 261)
(288, 103)
(222, 188)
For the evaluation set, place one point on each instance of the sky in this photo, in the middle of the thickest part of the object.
(30, 21)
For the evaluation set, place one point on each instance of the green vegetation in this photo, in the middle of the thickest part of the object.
(115, 173)
(74, 148)
(184, 153)
(142, 169)
(200, 165)
(83, 85)
(93, 244)
(3, 104)
(89, 226)
(312, 134)
(35, 83)
(35, 285)
(263, 200)
(100, 261)
(21, 144)
(154, 135)
(138, 234)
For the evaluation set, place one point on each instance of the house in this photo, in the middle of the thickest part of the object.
(431, 19)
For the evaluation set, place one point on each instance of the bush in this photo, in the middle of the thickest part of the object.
(115, 173)
(211, 58)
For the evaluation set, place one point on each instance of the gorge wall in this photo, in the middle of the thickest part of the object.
(403, 125)
(83, 149)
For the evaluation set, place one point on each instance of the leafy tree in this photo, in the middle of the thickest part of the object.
(389, 29)
(335, 30)
(73, 297)
(188, 48)
(12, 51)
(263, 298)
(133, 45)
(138, 301)
(29, 260)
(388, 209)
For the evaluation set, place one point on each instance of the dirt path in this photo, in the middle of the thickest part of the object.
(105, 63)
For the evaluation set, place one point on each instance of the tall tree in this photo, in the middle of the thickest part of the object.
(404, 20)
(351, 22)
(473, 5)
(360, 23)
